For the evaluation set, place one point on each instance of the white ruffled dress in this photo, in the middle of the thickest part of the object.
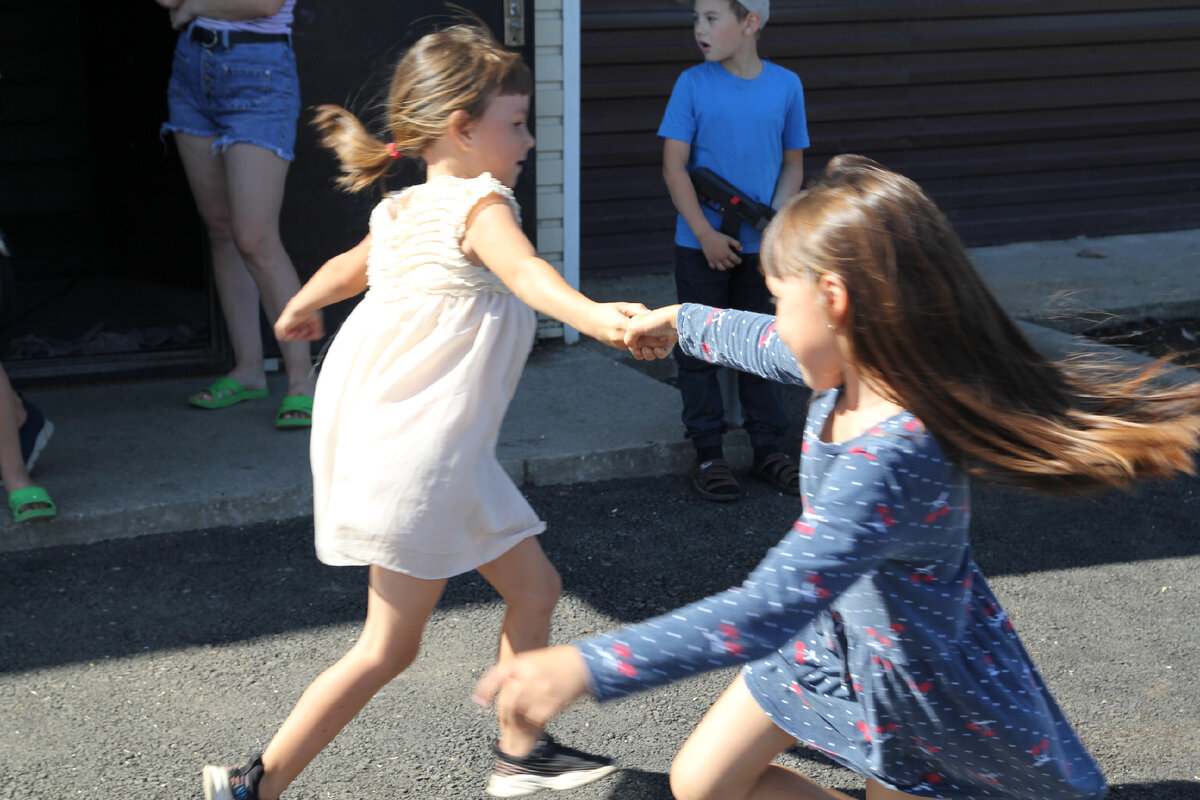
(412, 393)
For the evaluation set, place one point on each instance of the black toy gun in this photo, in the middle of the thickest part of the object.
(734, 206)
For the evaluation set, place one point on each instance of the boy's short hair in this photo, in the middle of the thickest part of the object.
(744, 8)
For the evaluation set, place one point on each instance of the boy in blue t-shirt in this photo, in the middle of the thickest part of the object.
(743, 118)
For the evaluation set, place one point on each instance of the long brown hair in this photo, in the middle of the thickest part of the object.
(460, 68)
(922, 322)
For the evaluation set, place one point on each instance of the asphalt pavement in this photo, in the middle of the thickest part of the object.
(175, 612)
(126, 665)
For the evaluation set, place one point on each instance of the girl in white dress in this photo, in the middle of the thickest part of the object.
(414, 388)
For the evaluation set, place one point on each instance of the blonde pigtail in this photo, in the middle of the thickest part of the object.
(364, 159)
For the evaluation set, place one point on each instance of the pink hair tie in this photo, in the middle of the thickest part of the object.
(393, 152)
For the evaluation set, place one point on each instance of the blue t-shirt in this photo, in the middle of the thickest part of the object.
(739, 129)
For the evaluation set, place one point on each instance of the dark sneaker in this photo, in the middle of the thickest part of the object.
(233, 783)
(548, 766)
(34, 433)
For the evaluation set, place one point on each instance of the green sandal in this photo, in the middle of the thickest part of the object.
(20, 500)
(224, 392)
(292, 403)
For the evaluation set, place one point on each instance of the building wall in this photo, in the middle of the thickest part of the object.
(1024, 119)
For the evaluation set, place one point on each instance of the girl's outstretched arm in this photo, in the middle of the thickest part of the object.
(743, 340)
(341, 277)
(495, 240)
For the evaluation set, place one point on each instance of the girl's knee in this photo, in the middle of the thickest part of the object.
(687, 783)
(259, 247)
(539, 597)
(386, 661)
(218, 228)
(525, 578)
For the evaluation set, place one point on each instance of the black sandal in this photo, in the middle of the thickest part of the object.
(780, 472)
(713, 480)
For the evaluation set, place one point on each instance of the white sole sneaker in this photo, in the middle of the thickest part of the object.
(216, 784)
(527, 783)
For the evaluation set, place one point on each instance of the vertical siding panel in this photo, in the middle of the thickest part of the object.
(548, 127)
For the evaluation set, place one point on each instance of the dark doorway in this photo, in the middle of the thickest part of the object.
(106, 251)
(107, 270)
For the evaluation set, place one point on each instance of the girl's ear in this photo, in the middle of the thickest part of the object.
(460, 128)
(834, 297)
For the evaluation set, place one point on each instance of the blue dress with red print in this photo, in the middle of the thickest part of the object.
(868, 632)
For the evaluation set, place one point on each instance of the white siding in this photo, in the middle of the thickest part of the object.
(548, 127)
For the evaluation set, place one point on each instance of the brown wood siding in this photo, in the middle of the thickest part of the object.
(1024, 119)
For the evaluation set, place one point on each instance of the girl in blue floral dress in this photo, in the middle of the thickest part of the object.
(869, 632)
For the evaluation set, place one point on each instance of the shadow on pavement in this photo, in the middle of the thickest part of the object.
(639, 783)
(1163, 790)
(631, 549)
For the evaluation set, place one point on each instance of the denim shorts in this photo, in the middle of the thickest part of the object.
(237, 93)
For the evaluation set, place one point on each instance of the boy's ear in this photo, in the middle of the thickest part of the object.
(753, 23)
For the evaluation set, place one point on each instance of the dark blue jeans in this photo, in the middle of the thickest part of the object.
(742, 288)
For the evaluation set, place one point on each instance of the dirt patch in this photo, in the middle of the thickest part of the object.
(1155, 337)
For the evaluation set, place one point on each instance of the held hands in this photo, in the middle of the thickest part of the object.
(722, 252)
(610, 320)
(534, 686)
(654, 339)
(294, 325)
(651, 335)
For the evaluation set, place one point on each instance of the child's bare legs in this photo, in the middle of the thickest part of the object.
(397, 608)
(729, 755)
(530, 587)
(239, 194)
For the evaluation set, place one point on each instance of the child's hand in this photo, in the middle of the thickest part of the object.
(611, 320)
(722, 252)
(652, 334)
(305, 326)
(534, 686)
